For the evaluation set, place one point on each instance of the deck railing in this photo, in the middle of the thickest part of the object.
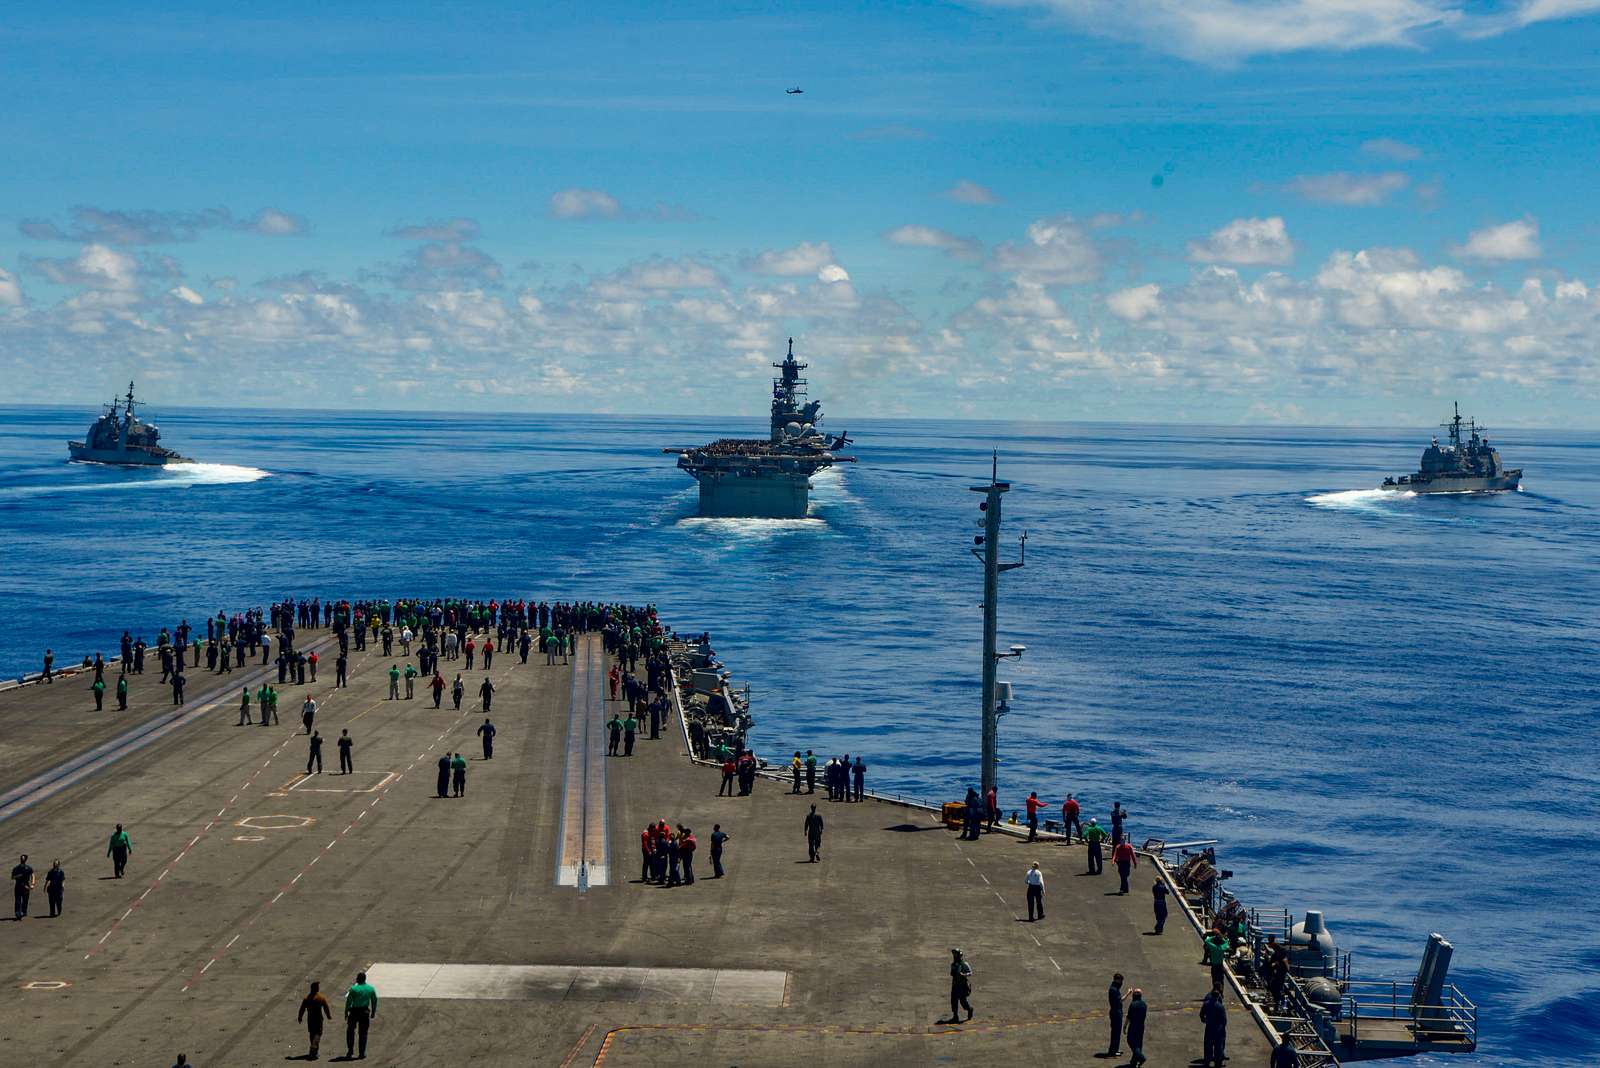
(1454, 1022)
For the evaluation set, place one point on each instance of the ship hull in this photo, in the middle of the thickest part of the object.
(81, 453)
(1498, 484)
(764, 496)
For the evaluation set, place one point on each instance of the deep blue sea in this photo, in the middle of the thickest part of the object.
(1383, 706)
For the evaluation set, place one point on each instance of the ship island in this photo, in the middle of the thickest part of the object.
(767, 478)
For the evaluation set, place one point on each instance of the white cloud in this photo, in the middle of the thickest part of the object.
(1389, 148)
(932, 237)
(968, 192)
(105, 226)
(10, 291)
(1342, 187)
(272, 223)
(1135, 303)
(1225, 32)
(1515, 240)
(1246, 243)
(1374, 321)
(808, 257)
(95, 267)
(457, 230)
(442, 265)
(1056, 251)
(656, 275)
(1377, 318)
(584, 204)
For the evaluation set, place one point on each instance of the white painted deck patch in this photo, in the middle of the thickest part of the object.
(556, 982)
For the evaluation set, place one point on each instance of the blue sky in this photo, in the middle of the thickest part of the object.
(1323, 211)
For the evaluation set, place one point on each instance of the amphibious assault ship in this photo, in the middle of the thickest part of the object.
(120, 437)
(1469, 466)
(767, 478)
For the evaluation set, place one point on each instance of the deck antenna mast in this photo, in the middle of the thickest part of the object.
(986, 547)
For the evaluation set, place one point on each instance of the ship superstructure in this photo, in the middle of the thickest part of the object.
(767, 478)
(1467, 465)
(120, 437)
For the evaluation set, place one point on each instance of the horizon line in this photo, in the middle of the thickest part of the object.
(501, 413)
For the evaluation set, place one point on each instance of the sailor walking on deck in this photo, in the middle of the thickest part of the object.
(1214, 1014)
(487, 732)
(347, 765)
(55, 885)
(313, 1010)
(1114, 1014)
(1070, 822)
(360, 1009)
(718, 838)
(1158, 891)
(22, 883)
(814, 835)
(1035, 881)
(1126, 859)
(118, 849)
(1095, 836)
(960, 987)
(1136, 1015)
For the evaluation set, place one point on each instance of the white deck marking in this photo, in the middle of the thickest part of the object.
(584, 843)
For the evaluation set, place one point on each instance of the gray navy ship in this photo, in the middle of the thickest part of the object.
(120, 437)
(767, 478)
(1469, 466)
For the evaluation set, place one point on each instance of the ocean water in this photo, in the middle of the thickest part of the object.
(1384, 706)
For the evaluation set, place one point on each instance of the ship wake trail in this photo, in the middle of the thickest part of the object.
(1366, 500)
(751, 529)
(88, 477)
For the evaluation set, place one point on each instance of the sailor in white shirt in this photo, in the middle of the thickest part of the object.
(1035, 893)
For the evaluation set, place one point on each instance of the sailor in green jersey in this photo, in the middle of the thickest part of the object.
(244, 708)
(360, 1009)
(629, 727)
(1216, 948)
(811, 772)
(394, 682)
(614, 726)
(411, 678)
(458, 775)
(1095, 835)
(118, 849)
(99, 688)
(122, 693)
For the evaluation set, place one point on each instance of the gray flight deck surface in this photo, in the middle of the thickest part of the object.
(246, 882)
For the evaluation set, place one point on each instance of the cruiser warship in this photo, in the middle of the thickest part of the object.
(1459, 467)
(767, 478)
(120, 437)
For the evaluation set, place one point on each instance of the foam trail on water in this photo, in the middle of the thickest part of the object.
(1359, 499)
(751, 529)
(108, 478)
